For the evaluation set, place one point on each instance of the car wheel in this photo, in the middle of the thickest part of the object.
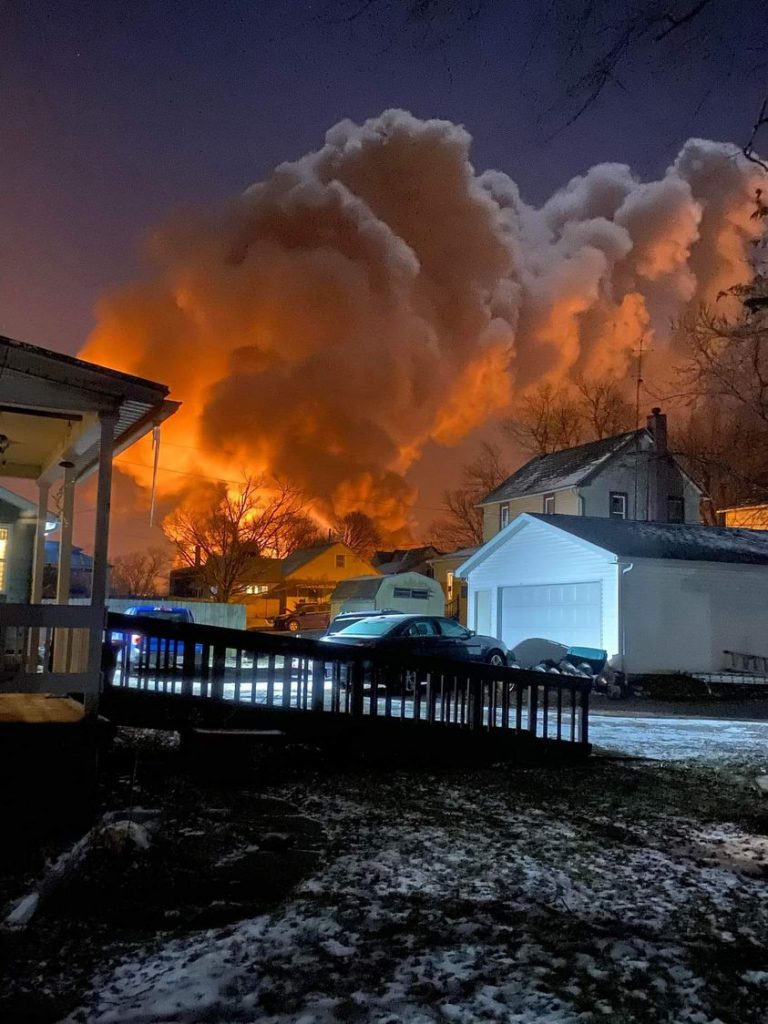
(293, 626)
(497, 659)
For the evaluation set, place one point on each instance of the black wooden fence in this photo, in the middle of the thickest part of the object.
(299, 674)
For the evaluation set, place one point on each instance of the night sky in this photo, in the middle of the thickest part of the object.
(114, 114)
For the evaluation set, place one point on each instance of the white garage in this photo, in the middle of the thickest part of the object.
(659, 597)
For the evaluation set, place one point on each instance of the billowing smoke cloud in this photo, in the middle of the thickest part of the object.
(379, 293)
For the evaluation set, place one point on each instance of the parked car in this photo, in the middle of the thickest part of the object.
(347, 618)
(149, 611)
(305, 616)
(432, 635)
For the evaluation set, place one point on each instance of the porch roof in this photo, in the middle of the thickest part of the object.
(50, 405)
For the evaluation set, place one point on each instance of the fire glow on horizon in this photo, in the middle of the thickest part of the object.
(379, 294)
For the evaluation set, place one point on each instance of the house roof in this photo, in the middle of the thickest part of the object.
(458, 553)
(684, 541)
(403, 559)
(567, 468)
(745, 506)
(50, 404)
(79, 559)
(11, 498)
(303, 556)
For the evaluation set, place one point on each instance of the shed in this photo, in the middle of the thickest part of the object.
(403, 592)
(659, 597)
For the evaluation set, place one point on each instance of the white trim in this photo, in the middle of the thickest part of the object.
(24, 504)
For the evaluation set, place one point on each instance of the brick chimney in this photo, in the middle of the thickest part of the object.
(658, 511)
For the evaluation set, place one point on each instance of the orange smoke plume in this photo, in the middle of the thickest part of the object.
(378, 294)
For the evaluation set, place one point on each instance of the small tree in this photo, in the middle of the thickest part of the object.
(298, 531)
(461, 525)
(224, 536)
(603, 408)
(140, 573)
(550, 419)
(724, 379)
(359, 532)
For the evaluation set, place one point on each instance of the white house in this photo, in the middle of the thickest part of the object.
(628, 476)
(659, 597)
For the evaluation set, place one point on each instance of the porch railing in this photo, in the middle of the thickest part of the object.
(50, 648)
(293, 673)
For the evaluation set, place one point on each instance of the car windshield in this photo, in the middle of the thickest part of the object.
(449, 627)
(369, 627)
(159, 613)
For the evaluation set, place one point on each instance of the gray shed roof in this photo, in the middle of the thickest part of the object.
(566, 468)
(633, 539)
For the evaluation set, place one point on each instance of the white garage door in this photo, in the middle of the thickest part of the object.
(570, 613)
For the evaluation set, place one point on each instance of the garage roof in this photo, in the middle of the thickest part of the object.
(629, 538)
(688, 542)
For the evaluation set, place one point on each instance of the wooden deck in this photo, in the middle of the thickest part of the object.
(39, 709)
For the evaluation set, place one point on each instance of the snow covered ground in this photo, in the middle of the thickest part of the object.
(622, 893)
(707, 739)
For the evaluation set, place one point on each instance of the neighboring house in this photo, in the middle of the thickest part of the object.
(186, 581)
(81, 571)
(272, 586)
(263, 596)
(748, 517)
(260, 577)
(444, 571)
(311, 574)
(659, 597)
(405, 560)
(629, 476)
(18, 525)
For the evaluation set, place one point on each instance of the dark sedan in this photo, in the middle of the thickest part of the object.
(429, 635)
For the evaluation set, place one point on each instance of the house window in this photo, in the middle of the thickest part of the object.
(549, 504)
(3, 555)
(341, 561)
(675, 510)
(503, 516)
(449, 585)
(257, 588)
(617, 505)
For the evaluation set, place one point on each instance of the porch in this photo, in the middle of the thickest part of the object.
(62, 420)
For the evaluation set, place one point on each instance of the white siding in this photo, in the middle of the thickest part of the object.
(679, 615)
(541, 554)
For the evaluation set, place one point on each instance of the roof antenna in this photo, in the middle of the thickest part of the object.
(639, 383)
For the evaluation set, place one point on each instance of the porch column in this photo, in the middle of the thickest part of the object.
(38, 564)
(100, 546)
(38, 561)
(103, 504)
(65, 534)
